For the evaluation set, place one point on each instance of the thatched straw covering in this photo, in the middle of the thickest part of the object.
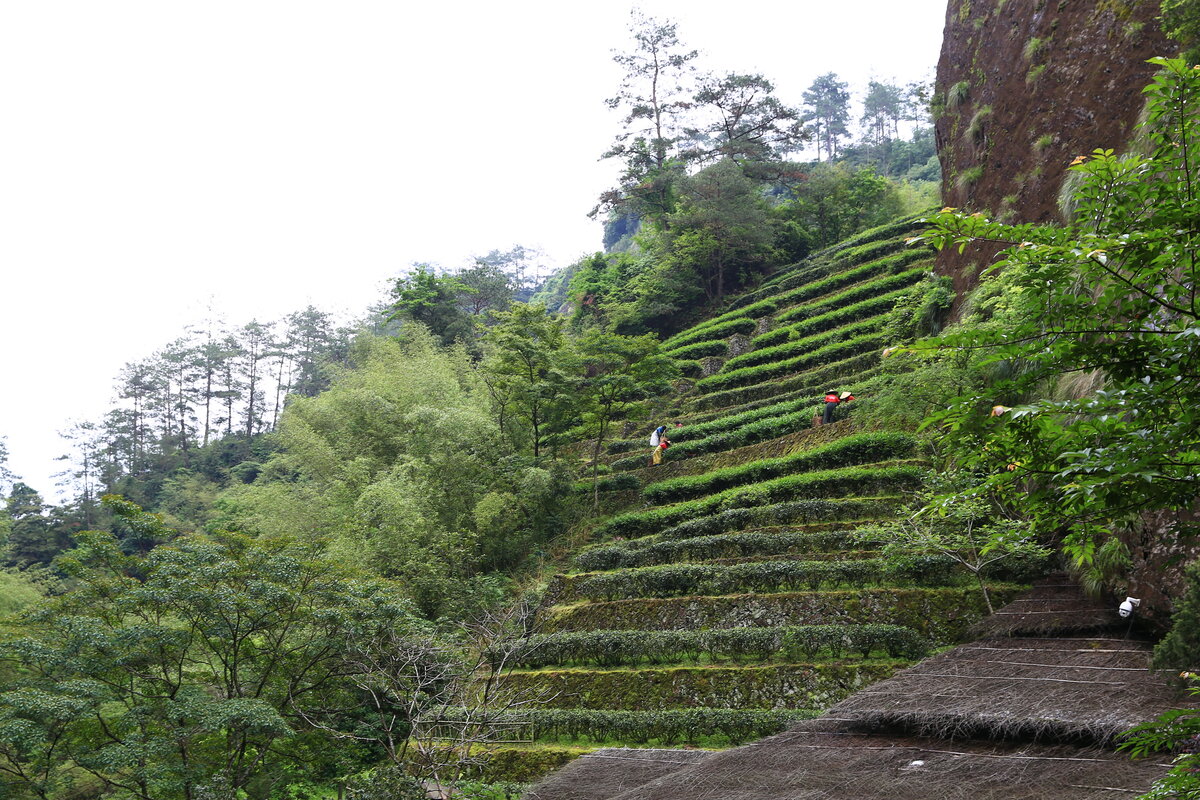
(1006, 717)
(610, 772)
(822, 762)
(1054, 605)
(1082, 689)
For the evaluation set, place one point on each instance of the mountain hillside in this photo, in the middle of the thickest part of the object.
(727, 594)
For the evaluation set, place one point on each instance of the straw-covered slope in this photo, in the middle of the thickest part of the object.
(1022, 716)
(726, 595)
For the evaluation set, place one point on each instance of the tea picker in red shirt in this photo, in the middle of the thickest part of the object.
(832, 398)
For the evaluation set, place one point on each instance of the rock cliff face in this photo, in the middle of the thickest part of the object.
(1024, 86)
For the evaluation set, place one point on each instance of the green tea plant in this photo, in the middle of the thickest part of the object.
(1112, 296)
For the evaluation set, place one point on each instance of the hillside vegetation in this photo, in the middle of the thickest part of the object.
(729, 585)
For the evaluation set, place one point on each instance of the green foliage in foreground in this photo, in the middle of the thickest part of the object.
(1112, 296)
(196, 665)
(618, 648)
(1175, 732)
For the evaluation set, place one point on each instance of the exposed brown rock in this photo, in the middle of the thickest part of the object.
(1045, 81)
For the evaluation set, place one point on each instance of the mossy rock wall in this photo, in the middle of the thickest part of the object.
(766, 686)
(942, 615)
(527, 764)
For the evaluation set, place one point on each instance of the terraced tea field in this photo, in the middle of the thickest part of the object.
(726, 592)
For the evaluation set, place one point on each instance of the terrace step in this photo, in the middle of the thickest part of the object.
(761, 686)
(940, 614)
(783, 444)
(811, 539)
(818, 489)
(838, 371)
(861, 452)
(762, 577)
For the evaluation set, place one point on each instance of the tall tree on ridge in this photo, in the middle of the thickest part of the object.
(654, 93)
(828, 105)
(256, 349)
(748, 123)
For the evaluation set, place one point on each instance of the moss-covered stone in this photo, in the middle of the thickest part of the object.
(517, 764)
(769, 686)
(942, 614)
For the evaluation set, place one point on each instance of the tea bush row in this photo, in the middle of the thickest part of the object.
(857, 294)
(703, 333)
(761, 577)
(804, 291)
(827, 483)
(835, 317)
(796, 347)
(794, 512)
(713, 348)
(814, 382)
(646, 552)
(622, 648)
(860, 448)
(762, 372)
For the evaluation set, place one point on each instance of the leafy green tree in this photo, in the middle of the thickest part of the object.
(33, 538)
(654, 94)
(1175, 732)
(524, 371)
(191, 667)
(721, 231)
(975, 532)
(837, 200)
(747, 122)
(1096, 325)
(434, 301)
(827, 103)
(883, 108)
(615, 372)
(1181, 21)
(6, 475)
(487, 288)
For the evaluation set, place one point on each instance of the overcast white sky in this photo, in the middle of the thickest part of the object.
(266, 155)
